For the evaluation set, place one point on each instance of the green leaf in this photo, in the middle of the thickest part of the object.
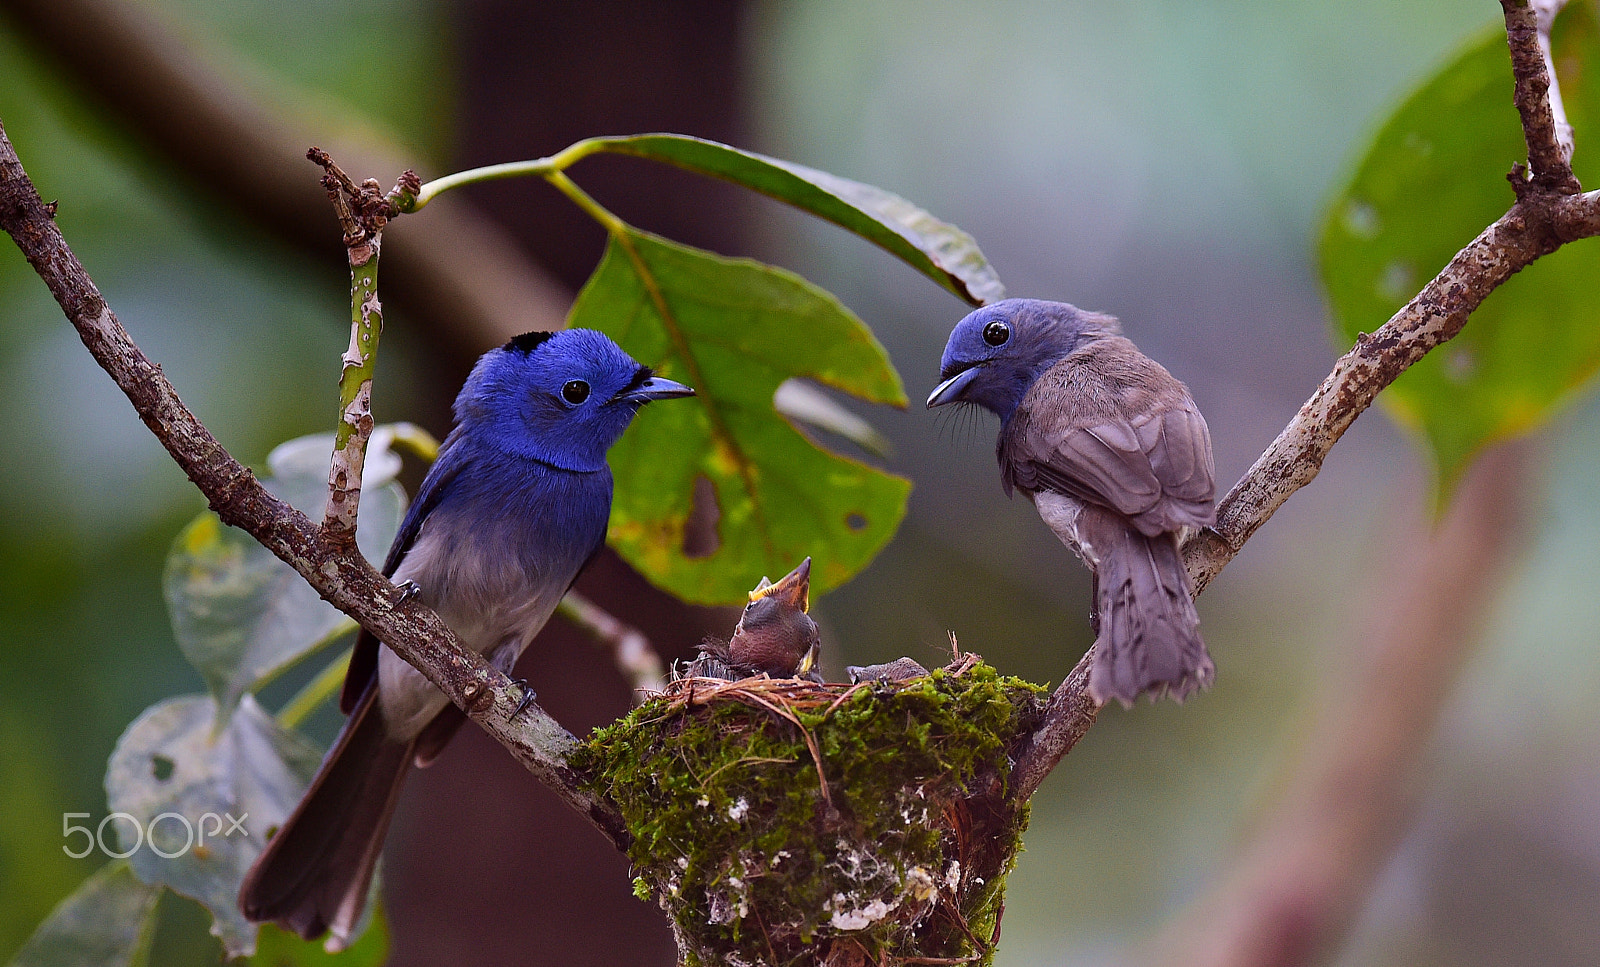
(241, 615)
(280, 948)
(735, 330)
(199, 801)
(1432, 179)
(935, 248)
(108, 921)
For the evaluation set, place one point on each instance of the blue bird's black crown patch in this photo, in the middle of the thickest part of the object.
(527, 342)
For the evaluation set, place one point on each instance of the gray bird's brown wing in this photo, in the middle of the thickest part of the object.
(1109, 426)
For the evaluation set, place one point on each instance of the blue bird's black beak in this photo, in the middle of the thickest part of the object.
(952, 389)
(654, 388)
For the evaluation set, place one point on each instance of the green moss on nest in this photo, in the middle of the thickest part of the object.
(896, 846)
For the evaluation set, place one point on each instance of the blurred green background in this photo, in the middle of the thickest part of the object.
(1164, 161)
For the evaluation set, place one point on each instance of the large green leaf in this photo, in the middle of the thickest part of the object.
(201, 800)
(735, 330)
(1432, 179)
(935, 248)
(108, 921)
(241, 615)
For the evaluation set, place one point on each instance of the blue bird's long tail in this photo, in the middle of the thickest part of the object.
(314, 874)
(1149, 635)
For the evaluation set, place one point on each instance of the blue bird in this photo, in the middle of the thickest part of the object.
(511, 511)
(1117, 460)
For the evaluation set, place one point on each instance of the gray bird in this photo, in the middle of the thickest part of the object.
(1116, 458)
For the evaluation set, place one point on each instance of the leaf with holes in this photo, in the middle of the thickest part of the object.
(199, 797)
(937, 249)
(1432, 178)
(735, 330)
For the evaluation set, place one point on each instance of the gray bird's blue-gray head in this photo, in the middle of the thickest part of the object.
(562, 398)
(996, 352)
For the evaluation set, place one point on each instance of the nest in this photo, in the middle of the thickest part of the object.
(779, 821)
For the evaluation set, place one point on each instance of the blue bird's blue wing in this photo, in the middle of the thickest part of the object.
(364, 656)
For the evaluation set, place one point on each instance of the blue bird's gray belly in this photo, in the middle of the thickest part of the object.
(495, 579)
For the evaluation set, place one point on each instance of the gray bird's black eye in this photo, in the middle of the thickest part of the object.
(996, 333)
(575, 392)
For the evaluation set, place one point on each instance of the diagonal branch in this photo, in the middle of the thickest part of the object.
(337, 571)
(1535, 226)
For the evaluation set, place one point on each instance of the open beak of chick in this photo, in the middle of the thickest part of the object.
(775, 634)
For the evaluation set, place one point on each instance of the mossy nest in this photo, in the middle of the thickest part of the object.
(783, 822)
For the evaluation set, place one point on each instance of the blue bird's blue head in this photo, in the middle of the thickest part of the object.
(995, 353)
(562, 398)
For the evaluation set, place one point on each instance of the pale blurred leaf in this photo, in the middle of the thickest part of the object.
(241, 615)
(185, 782)
(108, 921)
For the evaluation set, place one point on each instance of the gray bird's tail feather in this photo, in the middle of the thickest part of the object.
(1149, 638)
(314, 875)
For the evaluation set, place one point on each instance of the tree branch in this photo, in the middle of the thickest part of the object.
(1067, 716)
(1548, 213)
(1536, 225)
(363, 211)
(339, 573)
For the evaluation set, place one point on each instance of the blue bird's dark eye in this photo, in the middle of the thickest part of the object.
(575, 392)
(996, 333)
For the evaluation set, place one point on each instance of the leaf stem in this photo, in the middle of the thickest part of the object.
(340, 630)
(592, 208)
(408, 436)
(316, 691)
(542, 167)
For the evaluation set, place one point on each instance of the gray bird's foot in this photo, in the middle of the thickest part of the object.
(528, 695)
(408, 590)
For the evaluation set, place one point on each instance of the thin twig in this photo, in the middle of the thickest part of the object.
(363, 238)
(1538, 97)
(630, 649)
(339, 574)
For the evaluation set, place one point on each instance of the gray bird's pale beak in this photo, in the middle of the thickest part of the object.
(951, 389)
(656, 388)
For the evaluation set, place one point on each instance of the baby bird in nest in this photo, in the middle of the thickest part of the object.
(775, 636)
